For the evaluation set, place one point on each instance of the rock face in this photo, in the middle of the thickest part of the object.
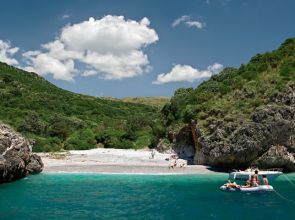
(267, 138)
(16, 157)
(180, 144)
(277, 156)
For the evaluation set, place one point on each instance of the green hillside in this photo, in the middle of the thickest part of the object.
(233, 95)
(156, 101)
(57, 119)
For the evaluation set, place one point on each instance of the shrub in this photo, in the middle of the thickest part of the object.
(46, 144)
(81, 140)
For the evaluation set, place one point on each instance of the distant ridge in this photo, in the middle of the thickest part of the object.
(156, 101)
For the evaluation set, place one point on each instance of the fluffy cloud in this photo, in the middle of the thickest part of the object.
(110, 34)
(187, 73)
(44, 63)
(111, 47)
(7, 52)
(186, 20)
(114, 66)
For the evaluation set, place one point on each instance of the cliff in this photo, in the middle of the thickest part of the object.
(267, 139)
(243, 115)
(16, 157)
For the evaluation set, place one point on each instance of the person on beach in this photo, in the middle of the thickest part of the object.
(152, 154)
(172, 165)
(254, 179)
(183, 165)
(265, 180)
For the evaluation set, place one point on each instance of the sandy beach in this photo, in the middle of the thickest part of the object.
(102, 160)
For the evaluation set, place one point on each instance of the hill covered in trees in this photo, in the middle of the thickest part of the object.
(57, 119)
(242, 113)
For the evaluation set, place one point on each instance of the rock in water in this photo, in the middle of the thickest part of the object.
(16, 157)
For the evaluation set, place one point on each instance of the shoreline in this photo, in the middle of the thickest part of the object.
(131, 174)
(138, 170)
(119, 161)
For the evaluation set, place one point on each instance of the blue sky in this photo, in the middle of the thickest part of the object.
(89, 48)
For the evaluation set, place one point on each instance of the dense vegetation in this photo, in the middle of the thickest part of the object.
(57, 119)
(234, 94)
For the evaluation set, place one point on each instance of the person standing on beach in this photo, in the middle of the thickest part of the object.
(152, 154)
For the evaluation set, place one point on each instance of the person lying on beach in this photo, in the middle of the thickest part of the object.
(183, 165)
(172, 165)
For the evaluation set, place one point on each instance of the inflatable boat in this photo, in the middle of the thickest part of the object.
(263, 188)
(245, 175)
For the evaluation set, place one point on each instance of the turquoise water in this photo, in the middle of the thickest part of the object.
(93, 196)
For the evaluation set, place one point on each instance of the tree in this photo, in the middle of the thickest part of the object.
(33, 124)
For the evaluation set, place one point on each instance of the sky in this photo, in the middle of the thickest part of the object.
(138, 47)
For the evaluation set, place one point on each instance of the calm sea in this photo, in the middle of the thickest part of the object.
(93, 196)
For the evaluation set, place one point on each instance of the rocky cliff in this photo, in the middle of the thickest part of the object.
(16, 157)
(267, 139)
(244, 115)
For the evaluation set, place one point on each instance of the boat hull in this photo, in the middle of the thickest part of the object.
(264, 188)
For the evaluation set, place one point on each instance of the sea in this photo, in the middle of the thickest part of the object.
(116, 196)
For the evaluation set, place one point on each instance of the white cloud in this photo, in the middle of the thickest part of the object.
(43, 64)
(7, 52)
(181, 73)
(196, 24)
(186, 20)
(114, 66)
(180, 20)
(66, 16)
(111, 47)
(215, 68)
(89, 73)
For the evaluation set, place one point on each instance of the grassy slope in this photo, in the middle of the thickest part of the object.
(234, 94)
(57, 118)
(156, 101)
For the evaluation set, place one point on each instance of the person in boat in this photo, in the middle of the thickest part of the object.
(265, 180)
(247, 184)
(254, 179)
(229, 185)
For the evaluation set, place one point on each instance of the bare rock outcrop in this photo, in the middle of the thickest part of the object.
(267, 138)
(277, 156)
(16, 157)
